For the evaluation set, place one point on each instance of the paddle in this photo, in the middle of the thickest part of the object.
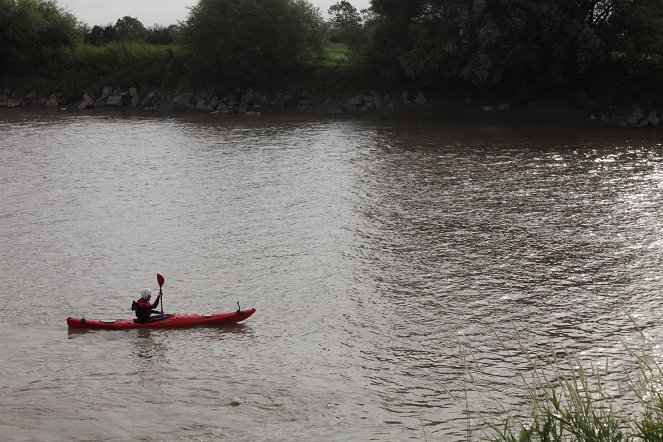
(160, 281)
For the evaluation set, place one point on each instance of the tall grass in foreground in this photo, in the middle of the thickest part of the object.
(570, 402)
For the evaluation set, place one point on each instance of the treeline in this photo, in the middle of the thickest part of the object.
(601, 51)
(130, 29)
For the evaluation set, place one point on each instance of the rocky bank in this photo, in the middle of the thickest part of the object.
(252, 102)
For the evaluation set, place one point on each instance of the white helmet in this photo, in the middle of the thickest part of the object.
(145, 293)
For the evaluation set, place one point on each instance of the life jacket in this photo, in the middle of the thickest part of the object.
(141, 312)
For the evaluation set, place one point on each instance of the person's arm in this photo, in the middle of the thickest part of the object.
(156, 303)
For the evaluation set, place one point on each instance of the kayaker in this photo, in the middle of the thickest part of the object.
(143, 308)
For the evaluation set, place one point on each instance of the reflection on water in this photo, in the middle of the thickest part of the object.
(371, 249)
(147, 346)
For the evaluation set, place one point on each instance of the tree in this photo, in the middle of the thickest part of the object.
(29, 32)
(542, 43)
(129, 29)
(343, 14)
(160, 35)
(252, 41)
(346, 24)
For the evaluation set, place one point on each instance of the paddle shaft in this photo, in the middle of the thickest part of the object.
(160, 281)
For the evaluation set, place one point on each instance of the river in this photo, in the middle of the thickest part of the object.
(370, 248)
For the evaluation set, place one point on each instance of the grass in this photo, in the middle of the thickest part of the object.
(336, 54)
(569, 401)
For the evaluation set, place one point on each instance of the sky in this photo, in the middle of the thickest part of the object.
(150, 12)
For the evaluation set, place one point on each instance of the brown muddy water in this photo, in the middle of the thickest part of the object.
(371, 250)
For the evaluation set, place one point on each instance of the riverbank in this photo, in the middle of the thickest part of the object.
(403, 104)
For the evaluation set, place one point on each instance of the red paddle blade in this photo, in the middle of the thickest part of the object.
(160, 280)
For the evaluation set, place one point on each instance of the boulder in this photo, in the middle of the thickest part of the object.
(201, 106)
(135, 98)
(503, 107)
(405, 96)
(52, 102)
(184, 101)
(100, 102)
(87, 102)
(115, 101)
(249, 97)
(420, 98)
(632, 120)
(150, 100)
(488, 108)
(357, 100)
(638, 114)
(13, 103)
(225, 109)
(106, 92)
(377, 100)
(653, 119)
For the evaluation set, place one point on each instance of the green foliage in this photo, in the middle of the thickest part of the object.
(83, 68)
(252, 41)
(30, 30)
(542, 44)
(130, 29)
(128, 64)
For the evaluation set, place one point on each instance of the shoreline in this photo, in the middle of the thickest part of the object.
(541, 113)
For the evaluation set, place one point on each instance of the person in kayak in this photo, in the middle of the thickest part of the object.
(143, 308)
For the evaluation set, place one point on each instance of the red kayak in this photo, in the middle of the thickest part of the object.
(163, 321)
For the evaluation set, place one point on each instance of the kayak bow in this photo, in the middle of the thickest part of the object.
(165, 321)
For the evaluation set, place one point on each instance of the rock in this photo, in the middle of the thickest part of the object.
(115, 101)
(13, 103)
(151, 99)
(303, 104)
(201, 106)
(357, 100)
(632, 120)
(604, 119)
(377, 100)
(215, 101)
(135, 98)
(420, 99)
(184, 101)
(100, 102)
(405, 96)
(623, 123)
(638, 113)
(488, 108)
(106, 92)
(242, 108)
(249, 97)
(503, 107)
(87, 102)
(653, 118)
(52, 102)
